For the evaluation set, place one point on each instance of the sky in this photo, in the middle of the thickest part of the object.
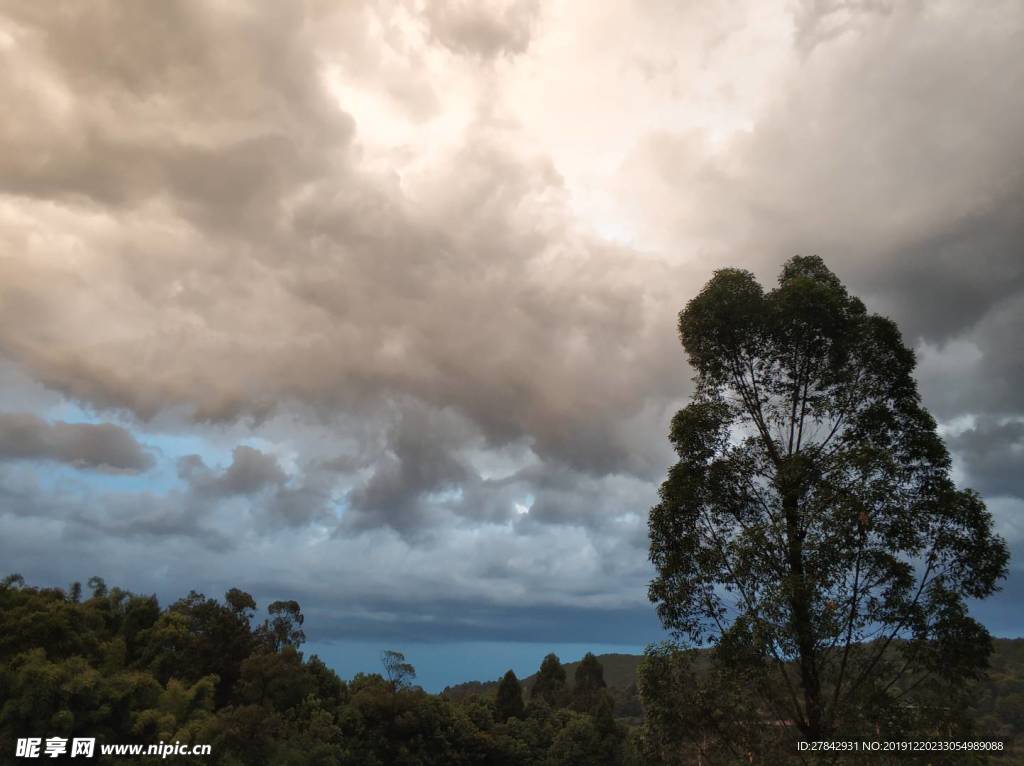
(373, 304)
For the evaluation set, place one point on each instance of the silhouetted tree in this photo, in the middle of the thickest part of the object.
(397, 671)
(98, 586)
(810, 530)
(588, 692)
(284, 628)
(240, 602)
(509, 700)
(550, 682)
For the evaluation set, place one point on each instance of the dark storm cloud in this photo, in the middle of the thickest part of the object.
(564, 496)
(993, 457)
(301, 505)
(395, 495)
(419, 461)
(250, 471)
(101, 446)
(275, 498)
(950, 280)
(104, 518)
(425, 472)
(217, 509)
(1003, 368)
(999, 613)
(453, 621)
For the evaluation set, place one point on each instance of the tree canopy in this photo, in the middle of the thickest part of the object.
(397, 671)
(117, 667)
(550, 682)
(811, 531)
(508, 702)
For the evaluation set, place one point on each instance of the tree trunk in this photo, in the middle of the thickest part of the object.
(814, 727)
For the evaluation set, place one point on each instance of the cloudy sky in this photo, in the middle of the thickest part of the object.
(372, 304)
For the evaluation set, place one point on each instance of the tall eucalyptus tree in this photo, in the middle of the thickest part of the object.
(811, 531)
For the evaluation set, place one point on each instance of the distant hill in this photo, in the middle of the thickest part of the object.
(619, 673)
(996, 707)
(998, 703)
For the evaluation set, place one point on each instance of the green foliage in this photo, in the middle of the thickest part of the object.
(397, 671)
(284, 628)
(117, 667)
(553, 685)
(810, 531)
(95, 668)
(509, 701)
(588, 692)
(198, 636)
(550, 682)
(695, 712)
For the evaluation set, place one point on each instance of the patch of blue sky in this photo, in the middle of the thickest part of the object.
(172, 446)
(525, 505)
(72, 412)
(340, 504)
(166, 448)
(169, 445)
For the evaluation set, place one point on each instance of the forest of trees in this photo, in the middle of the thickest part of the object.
(117, 666)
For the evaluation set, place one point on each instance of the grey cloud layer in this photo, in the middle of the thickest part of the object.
(84, 445)
(250, 471)
(232, 253)
(894, 148)
(993, 454)
(353, 246)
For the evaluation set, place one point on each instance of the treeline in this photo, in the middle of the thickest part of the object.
(619, 671)
(116, 666)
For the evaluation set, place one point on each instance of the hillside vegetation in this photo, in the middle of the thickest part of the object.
(998, 707)
(118, 667)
